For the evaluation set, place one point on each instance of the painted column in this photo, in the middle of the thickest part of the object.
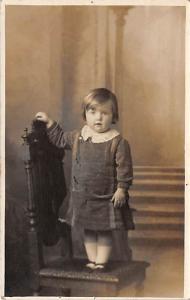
(120, 14)
(100, 51)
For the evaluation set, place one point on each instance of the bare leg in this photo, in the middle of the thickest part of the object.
(90, 242)
(104, 246)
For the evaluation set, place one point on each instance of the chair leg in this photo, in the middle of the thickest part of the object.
(66, 292)
(36, 292)
(67, 247)
(139, 287)
(139, 290)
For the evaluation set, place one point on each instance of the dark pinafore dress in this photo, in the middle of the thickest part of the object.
(97, 170)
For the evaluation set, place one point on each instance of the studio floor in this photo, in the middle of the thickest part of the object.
(165, 276)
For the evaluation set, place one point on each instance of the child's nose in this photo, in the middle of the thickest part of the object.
(99, 116)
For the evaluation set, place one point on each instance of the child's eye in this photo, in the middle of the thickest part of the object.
(92, 110)
(105, 113)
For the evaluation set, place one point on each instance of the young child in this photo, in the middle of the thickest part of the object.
(101, 174)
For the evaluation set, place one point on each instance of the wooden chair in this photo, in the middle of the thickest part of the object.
(46, 193)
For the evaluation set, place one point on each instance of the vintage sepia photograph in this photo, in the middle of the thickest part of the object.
(95, 149)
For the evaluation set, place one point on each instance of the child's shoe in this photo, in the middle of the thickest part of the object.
(90, 266)
(100, 268)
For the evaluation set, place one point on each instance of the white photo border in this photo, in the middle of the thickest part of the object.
(186, 4)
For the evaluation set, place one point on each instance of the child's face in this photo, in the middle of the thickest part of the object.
(99, 116)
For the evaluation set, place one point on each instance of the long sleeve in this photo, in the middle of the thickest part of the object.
(124, 166)
(60, 138)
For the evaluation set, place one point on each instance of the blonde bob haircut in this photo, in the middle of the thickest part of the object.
(100, 96)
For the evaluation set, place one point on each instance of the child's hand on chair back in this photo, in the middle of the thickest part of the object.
(42, 116)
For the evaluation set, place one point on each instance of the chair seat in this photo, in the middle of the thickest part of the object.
(70, 275)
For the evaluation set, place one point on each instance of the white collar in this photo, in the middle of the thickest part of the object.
(96, 137)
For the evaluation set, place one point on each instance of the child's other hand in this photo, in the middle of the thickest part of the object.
(42, 116)
(119, 198)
